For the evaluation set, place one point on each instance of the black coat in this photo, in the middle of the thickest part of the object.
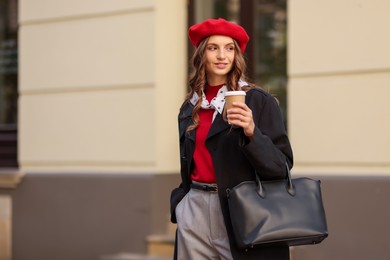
(236, 159)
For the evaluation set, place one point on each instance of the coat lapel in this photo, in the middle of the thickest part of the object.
(217, 126)
(191, 135)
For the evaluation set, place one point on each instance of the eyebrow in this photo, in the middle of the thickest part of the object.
(211, 43)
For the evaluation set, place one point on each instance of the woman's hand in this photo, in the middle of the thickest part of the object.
(241, 115)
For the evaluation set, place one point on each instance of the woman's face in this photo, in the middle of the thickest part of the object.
(219, 53)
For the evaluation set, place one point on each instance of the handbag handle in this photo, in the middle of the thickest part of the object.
(289, 185)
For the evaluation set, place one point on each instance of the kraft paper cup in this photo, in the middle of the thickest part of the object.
(233, 96)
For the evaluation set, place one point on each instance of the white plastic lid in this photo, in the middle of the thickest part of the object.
(235, 93)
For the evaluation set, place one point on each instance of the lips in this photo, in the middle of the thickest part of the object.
(221, 65)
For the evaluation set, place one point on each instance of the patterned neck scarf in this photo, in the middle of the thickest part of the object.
(217, 102)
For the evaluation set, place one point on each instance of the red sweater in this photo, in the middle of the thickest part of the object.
(204, 168)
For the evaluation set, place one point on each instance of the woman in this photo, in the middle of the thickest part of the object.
(217, 154)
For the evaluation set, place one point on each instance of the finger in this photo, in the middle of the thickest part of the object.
(238, 110)
(242, 118)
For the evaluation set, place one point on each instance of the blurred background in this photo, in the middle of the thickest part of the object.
(89, 96)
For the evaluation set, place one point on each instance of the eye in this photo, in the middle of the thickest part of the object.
(211, 48)
(230, 48)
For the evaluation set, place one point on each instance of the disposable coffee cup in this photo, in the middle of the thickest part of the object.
(233, 96)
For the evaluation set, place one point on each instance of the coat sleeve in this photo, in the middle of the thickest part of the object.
(270, 148)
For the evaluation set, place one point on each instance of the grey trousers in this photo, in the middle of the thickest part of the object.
(201, 231)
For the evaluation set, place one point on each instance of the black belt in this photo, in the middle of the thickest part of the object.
(204, 187)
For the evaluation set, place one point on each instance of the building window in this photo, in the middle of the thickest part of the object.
(266, 24)
(270, 52)
(8, 83)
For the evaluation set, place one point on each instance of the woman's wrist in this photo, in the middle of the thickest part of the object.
(249, 131)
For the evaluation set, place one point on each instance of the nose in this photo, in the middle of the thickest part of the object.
(221, 54)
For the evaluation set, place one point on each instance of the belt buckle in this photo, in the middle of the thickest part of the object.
(210, 188)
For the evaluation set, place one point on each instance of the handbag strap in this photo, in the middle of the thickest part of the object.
(289, 185)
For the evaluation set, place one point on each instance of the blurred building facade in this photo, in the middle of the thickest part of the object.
(99, 88)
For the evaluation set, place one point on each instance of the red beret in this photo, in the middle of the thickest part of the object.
(199, 31)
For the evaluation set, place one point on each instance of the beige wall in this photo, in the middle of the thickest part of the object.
(100, 84)
(339, 78)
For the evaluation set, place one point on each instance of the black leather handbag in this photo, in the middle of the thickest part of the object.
(288, 212)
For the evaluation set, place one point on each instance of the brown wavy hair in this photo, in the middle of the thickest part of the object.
(198, 77)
